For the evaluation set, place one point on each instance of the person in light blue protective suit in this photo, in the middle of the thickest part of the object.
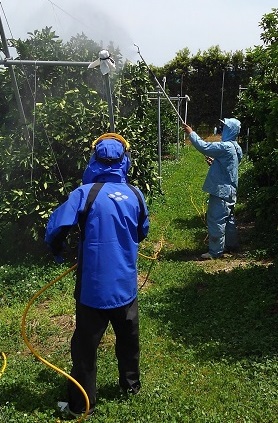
(113, 218)
(221, 183)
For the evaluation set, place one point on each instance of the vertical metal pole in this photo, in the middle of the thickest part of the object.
(159, 135)
(247, 143)
(178, 128)
(185, 113)
(14, 84)
(109, 102)
(222, 93)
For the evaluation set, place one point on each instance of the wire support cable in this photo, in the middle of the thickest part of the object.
(31, 142)
(34, 125)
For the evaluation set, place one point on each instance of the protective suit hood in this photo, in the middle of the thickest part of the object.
(231, 129)
(109, 163)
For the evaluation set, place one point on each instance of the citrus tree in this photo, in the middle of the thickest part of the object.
(211, 79)
(258, 110)
(66, 109)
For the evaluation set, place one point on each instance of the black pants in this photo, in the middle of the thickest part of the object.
(91, 324)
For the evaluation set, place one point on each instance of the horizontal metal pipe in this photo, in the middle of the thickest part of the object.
(171, 98)
(179, 97)
(8, 62)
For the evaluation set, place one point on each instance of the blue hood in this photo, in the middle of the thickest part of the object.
(231, 129)
(109, 163)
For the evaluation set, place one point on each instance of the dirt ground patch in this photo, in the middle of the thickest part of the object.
(241, 259)
(229, 262)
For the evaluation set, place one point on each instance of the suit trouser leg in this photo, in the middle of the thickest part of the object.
(90, 326)
(217, 215)
(231, 233)
(125, 323)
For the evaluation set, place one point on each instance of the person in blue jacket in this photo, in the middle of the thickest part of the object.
(221, 183)
(113, 219)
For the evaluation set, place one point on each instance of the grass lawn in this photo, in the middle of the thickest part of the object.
(209, 343)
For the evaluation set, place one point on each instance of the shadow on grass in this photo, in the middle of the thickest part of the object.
(53, 388)
(182, 255)
(26, 398)
(229, 314)
(198, 238)
(253, 240)
(194, 223)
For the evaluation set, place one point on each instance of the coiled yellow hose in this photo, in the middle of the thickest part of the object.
(37, 355)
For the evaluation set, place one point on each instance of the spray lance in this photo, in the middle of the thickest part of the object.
(160, 86)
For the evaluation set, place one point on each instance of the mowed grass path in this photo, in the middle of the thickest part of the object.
(208, 329)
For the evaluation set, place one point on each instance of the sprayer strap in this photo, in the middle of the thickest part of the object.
(90, 199)
(142, 211)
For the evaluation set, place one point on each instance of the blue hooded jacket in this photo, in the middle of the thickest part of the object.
(222, 177)
(116, 222)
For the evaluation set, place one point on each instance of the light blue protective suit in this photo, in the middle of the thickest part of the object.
(116, 223)
(221, 183)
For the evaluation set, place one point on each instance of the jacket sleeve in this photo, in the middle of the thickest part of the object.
(212, 149)
(62, 219)
(144, 224)
(238, 151)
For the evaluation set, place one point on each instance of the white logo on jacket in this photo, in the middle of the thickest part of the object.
(118, 196)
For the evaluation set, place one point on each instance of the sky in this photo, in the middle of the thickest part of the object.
(160, 28)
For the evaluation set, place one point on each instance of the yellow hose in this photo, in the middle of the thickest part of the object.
(36, 354)
(154, 257)
(4, 364)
